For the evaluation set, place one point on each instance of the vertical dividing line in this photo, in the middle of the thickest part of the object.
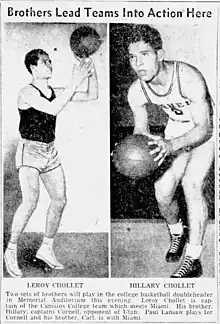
(109, 139)
(1, 157)
(217, 192)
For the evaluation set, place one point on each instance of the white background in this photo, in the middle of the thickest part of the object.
(82, 135)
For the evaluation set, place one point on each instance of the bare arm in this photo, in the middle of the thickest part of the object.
(91, 91)
(137, 104)
(140, 120)
(194, 87)
(29, 96)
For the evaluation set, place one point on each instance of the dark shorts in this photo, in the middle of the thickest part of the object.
(42, 156)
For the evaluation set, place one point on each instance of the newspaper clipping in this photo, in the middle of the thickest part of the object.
(110, 176)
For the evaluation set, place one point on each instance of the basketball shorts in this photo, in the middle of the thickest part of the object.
(175, 129)
(38, 155)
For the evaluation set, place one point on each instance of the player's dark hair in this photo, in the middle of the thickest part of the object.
(145, 33)
(32, 58)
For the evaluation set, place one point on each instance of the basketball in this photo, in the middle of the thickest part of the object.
(131, 157)
(84, 41)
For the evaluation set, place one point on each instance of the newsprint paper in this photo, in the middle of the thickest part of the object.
(110, 169)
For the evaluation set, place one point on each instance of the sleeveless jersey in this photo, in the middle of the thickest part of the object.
(36, 125)
(173, 103)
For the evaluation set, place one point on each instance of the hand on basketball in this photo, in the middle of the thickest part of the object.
(163, 149)
(91, 66)
(145, 133)
(81, 72)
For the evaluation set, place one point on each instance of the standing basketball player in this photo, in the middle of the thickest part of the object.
(36, 155)
(180, 90)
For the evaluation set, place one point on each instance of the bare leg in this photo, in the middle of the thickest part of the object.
(193, 184)
(166, 186)
(165, 189)
(54, 182)
(29, 182)
(200, 161)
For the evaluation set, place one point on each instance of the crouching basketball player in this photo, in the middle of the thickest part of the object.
(181, 91)
(37, 156)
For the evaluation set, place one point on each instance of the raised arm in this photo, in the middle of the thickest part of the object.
(29, 96)
(91, 92)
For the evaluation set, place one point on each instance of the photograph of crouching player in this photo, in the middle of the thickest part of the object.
(170, 90)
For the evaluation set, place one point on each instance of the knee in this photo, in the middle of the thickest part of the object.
(163, 196)
(59, 203)
(30, 203)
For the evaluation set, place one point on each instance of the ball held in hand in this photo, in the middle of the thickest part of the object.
(84, 41)
(131, 157)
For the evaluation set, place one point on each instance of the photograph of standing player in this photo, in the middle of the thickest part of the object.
(37, 158)
(179, 90)
(36, 155)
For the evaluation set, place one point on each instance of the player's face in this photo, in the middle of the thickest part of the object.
(43, 69)
(144, 60)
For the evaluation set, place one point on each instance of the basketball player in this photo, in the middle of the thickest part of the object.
(180, 90)
(37, 157)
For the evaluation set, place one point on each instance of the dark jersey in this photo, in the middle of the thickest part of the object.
(36, 125)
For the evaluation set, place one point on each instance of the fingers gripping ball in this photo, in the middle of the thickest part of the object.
(132, 158)
(84, 41)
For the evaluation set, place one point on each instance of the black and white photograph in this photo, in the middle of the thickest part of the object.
(163, 90)
(55, 166)
(110, 162)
